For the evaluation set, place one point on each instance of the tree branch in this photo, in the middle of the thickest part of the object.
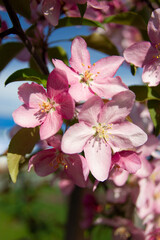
(19, 31)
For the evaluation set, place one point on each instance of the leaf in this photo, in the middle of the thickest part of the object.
(8, 51)
(27, 74)
(82, 8)
(21, 144)
(72, 21)
(101, 43)
(154, 109)
(58, 53)
(133, 69)
(127, 18)
(101, 233)
(144, 93)
(21, 7)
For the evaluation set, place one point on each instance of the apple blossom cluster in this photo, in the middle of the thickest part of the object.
(98, 103)
(93, 133)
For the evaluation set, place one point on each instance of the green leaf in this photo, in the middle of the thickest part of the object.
(133, 69)
(144, 93)
(21, 144)
(127, 18)
(21, 7)
(101, 43)
(58, 53)
(27, 74)
(101, 233)
(82, 8)
(72, 21)
(154, 109)
(8, 51)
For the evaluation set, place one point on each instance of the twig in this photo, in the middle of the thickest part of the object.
(17, 29)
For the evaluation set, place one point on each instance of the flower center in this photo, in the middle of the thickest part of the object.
(60, 161)
(87, 76)
(45, 107)
(102, 130)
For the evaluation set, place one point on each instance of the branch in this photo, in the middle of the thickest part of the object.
(17, 29)
(73, 230)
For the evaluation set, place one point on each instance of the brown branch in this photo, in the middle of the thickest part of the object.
(19, 31)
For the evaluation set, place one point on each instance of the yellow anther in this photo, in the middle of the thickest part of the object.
(94, 64)
(89, 66)
(83, 64)
(98, 72)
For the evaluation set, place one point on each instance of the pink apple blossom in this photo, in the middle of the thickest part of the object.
(46, 109)
(51, 9)
(85, 79)
(48, 161)
(123, 163)
(103, 128)
(147, 54)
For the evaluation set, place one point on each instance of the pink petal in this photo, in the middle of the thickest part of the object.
(32, 94)
(90, 110)
(57, 83)
(154, 26)
(67, 105)
(139, 53)
(28, 117)
(150, 146)
(108, 87)
(118, 108)
(51, 11)
(151, 73)
(107, 67)
(128, 160)
(125, 136)
(77, 169)
(146, 168)
(119, 177)
(80, 92)
(55, 141)
(72, 76)
(75, 138)
(44, 162)
(80, 57)
(98, 156)
(51, 125)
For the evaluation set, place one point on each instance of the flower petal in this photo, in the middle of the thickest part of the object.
(80, 92)
(51, 125)
(151, 73)
(67, 105)
(51, 11)
(154, 26)
(44, 162)
(125, 136)
(128, 160)
(118, 108)
(56, 83)
(77, 169)
(139, 53)
(32, 94)
(75, 138)
(80, 57)
(72, 76)
(108, 87)
(90, 110)
(98, 156)
(107, 67)
(28, 117)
